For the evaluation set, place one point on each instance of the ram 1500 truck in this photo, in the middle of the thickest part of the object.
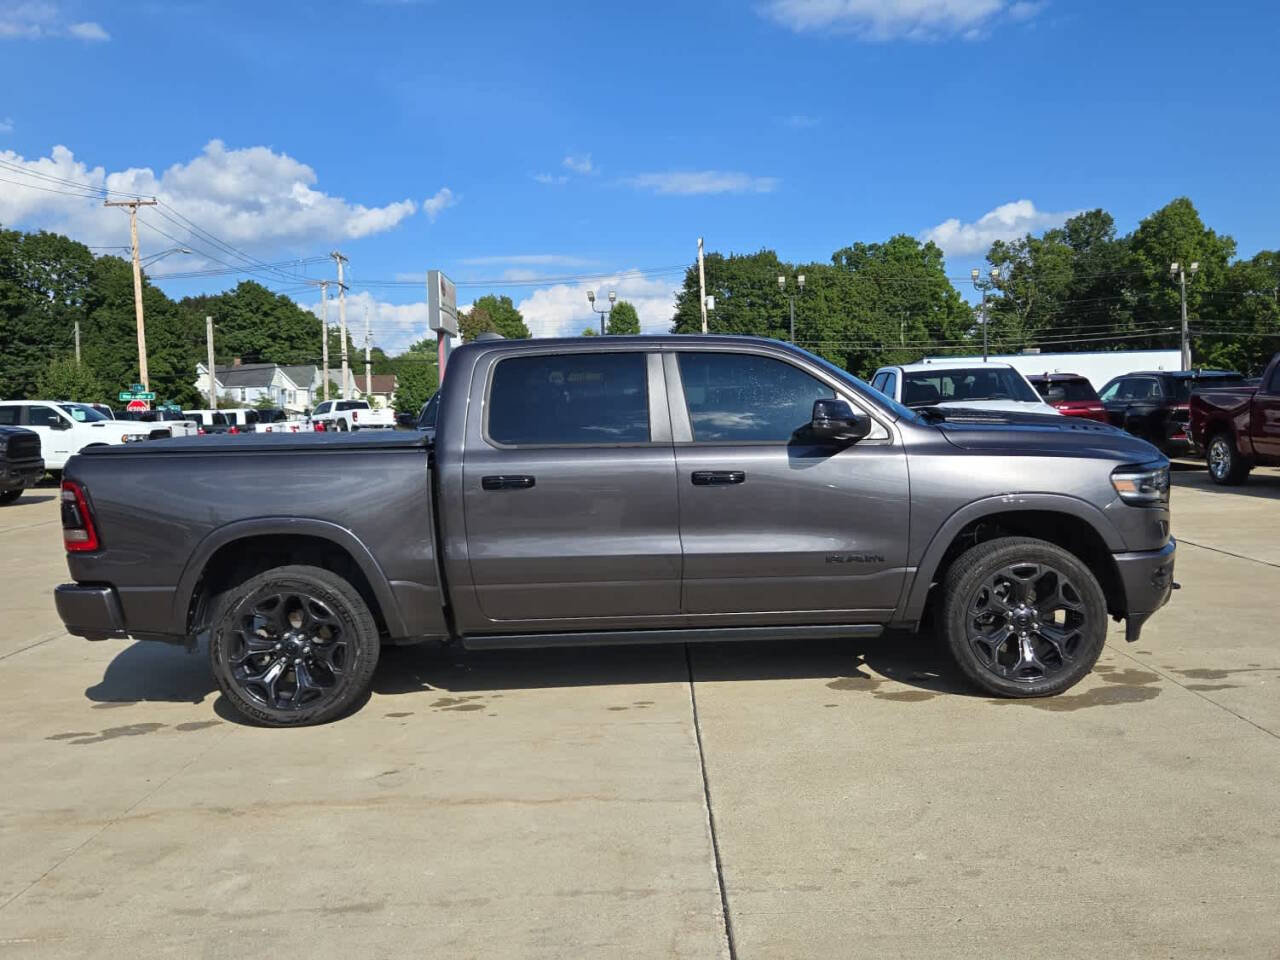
(1239, 427)
(623, 490)
(20, 462)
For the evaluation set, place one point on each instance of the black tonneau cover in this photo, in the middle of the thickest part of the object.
(226, 444)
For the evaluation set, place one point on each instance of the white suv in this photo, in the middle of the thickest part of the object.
(975, 386)
(67, 428)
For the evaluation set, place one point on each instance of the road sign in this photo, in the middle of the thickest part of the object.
(137, 394)
(442, 303)
(137, 406)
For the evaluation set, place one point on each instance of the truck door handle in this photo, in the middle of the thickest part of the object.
(716, 478)
(507, 482)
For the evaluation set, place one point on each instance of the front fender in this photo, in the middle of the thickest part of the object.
(911, 606)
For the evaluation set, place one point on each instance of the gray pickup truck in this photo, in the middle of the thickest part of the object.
(622, 490)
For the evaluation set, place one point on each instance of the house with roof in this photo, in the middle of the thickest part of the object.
(293, 388)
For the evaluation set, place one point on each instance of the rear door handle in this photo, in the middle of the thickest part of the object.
(716, 478)
(507, 482)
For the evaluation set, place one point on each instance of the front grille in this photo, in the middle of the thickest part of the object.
(24, 447)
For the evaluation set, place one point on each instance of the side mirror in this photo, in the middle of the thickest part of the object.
(834, 421)
(60, 424)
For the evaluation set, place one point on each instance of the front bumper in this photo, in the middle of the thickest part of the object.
(92, 612)
(18, 476)
(1147, 579)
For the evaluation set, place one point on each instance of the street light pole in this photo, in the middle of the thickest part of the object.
(782, 285)
(591, 299)
(984, 286)
(1176, 269)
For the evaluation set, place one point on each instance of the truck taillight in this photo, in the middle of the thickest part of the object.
(79, 535)
(355, 415)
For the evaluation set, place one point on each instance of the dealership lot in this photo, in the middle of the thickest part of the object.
(844, 798)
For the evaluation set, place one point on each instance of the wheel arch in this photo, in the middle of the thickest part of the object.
(238, 550)
(1076, 526)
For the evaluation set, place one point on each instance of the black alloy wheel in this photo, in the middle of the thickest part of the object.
(294, 645)
(1023, 617)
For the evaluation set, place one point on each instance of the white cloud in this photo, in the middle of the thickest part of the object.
(6, 124)
(393, 326)
(579, 163)
(36, 19)
(896, 19)
(89, 31)
(691, 182)
(253, 198)
(562, 310)
(1008, 221)
(552, 179)
(440, 201)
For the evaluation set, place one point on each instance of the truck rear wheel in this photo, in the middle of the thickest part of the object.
(1226, 466)
(9, 496)
(1023, 617)
(293, 646)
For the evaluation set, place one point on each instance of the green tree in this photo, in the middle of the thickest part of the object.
(623, 320)
(65, 379)
(590, 332)
(416, 381)
(492, 314)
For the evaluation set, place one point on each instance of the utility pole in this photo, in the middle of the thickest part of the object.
(1177, 270)
(213, 375)
(782, 285)
(77, 342)
(984, 286)
(702, 287)
(324, 333)
(368, 365)
(137, 281)
(342, 324)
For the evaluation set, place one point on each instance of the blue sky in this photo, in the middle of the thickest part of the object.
(514, 141)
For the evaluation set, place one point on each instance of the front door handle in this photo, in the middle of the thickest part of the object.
(506, 482)
(717, 478)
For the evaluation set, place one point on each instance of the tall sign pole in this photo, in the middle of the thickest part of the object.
(137, 281)
(342, 324)
(368, 366)
(442, 314)
(324, 334)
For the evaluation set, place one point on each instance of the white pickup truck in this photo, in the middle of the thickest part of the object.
(343, 415)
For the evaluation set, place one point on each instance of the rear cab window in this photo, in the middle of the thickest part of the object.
(9, 416)
(569, 399)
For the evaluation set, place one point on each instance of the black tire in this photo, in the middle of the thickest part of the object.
(9, 496)
(1227, 467)
(1017, 596)
(342, 426)
(305, 658)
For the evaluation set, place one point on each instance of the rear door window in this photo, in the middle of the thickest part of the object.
(9, 416)
(570, 399)
(743, 398)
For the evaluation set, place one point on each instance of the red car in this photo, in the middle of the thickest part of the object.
(1071, 394)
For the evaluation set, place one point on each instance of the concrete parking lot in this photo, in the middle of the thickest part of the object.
(771, 800)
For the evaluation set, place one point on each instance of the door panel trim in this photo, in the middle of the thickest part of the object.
(508, 641)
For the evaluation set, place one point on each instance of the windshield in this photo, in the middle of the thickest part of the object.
(921, 388)
(1183, 386)
(1067, 391)
(83, 412)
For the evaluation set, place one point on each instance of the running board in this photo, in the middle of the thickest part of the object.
(608, 638)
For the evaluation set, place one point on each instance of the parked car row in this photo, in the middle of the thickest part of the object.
(1238, 426)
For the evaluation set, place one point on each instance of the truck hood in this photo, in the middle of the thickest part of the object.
(1034, 434)
(1010, 406)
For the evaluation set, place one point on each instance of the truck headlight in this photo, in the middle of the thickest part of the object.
(1143, 486)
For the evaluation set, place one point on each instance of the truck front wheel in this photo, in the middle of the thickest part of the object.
(1023, 617)
(1226, 466)
(293, 646)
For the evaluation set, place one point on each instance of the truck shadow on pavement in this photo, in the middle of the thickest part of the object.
(915, 660)
(898, 666)
(1261, 484)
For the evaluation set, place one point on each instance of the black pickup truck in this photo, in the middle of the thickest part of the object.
(20, 463)
(622, 490)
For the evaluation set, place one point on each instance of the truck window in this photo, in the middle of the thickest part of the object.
(1274, 385)
(747, 399)
(9, 416)
(569, 399)
(890, 383)
(41, 417)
